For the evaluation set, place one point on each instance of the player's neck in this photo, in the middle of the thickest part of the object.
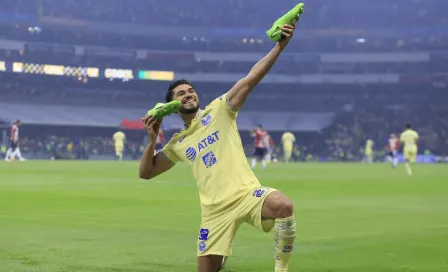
(188, 118)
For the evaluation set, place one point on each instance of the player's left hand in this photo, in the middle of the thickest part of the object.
(287, 33)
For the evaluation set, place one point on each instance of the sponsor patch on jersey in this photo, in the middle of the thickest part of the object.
(206, 120)
(203, 234)
(190, 153)
(209, 159)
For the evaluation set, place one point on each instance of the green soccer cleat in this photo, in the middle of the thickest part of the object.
(161, 110)
(292, 16)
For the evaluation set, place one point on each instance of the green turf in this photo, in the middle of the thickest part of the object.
(99, 217)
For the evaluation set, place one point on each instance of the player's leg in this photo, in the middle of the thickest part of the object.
(210, 263)
(288, 153)
(278, 207)
(258, 155)
(215, 240)
(119, 152)
(17, 154)
(263, 157)
(408, 157)
(8, 154)
(394, 159)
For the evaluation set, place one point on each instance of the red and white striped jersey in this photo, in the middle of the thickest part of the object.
(260, 141)
(14, 133)
(394, 144)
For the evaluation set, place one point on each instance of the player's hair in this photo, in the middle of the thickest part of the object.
(260, 126)
(408, 126)
(169, 93)
(17, 121)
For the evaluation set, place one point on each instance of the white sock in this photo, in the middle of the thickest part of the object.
(17, 153)
(263, 162)
(408, 168)
(395, 162)
(390, 159)
(8, 154)
(254, 163)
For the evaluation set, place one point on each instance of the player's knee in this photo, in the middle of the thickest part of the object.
(286, 208)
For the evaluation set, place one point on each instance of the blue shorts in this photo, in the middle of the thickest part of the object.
(260, 152)
(12, 145)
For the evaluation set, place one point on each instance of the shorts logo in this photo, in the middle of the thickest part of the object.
(209, 159)
(203, 234)
(202, 246)
(258, 193)
(206, 120)
(287, 249)
(190, 153)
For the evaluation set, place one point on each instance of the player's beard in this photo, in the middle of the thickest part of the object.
(183, 110)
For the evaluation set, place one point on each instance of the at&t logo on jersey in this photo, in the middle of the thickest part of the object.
(209, 140)
(209, 159)
(190, 153)
(206, 120)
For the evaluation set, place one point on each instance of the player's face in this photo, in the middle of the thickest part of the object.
(187, 97)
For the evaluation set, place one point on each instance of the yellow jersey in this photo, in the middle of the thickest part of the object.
(369, 146)
(119, 138)
(211, 146)
(288, 140)
(409, 138)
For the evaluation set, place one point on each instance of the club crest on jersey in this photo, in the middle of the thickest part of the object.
(206, 120)
(190, 153)
(209, 159)
(202, 246)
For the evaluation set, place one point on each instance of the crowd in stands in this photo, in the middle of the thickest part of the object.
(376, 119)
(252, 13)
(74, 148)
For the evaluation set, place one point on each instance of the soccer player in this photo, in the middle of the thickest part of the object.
(230, 193)
(392, 148)
(288, 140)
(369, 151)
(14, 149)
(119, 139)
(270, 144)
(160, 141)
(261, 146)
(409, 138)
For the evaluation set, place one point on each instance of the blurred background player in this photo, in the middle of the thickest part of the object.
(288, 140)
(119, 139)
(160, 141)
(392, 148)
(260, 146)
(270, 147)
(14, 149)
(368, 151)
(409, 138)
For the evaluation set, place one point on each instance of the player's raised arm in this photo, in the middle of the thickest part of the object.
(152, 165)
(239, 92)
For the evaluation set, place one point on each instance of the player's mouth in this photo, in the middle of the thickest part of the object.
(189, 102)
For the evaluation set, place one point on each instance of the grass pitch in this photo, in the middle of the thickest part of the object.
(99, 217)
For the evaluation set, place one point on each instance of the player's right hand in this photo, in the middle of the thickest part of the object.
(152, 126)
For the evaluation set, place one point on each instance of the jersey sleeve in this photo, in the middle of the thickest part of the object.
(168, 153)
(224, 105)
